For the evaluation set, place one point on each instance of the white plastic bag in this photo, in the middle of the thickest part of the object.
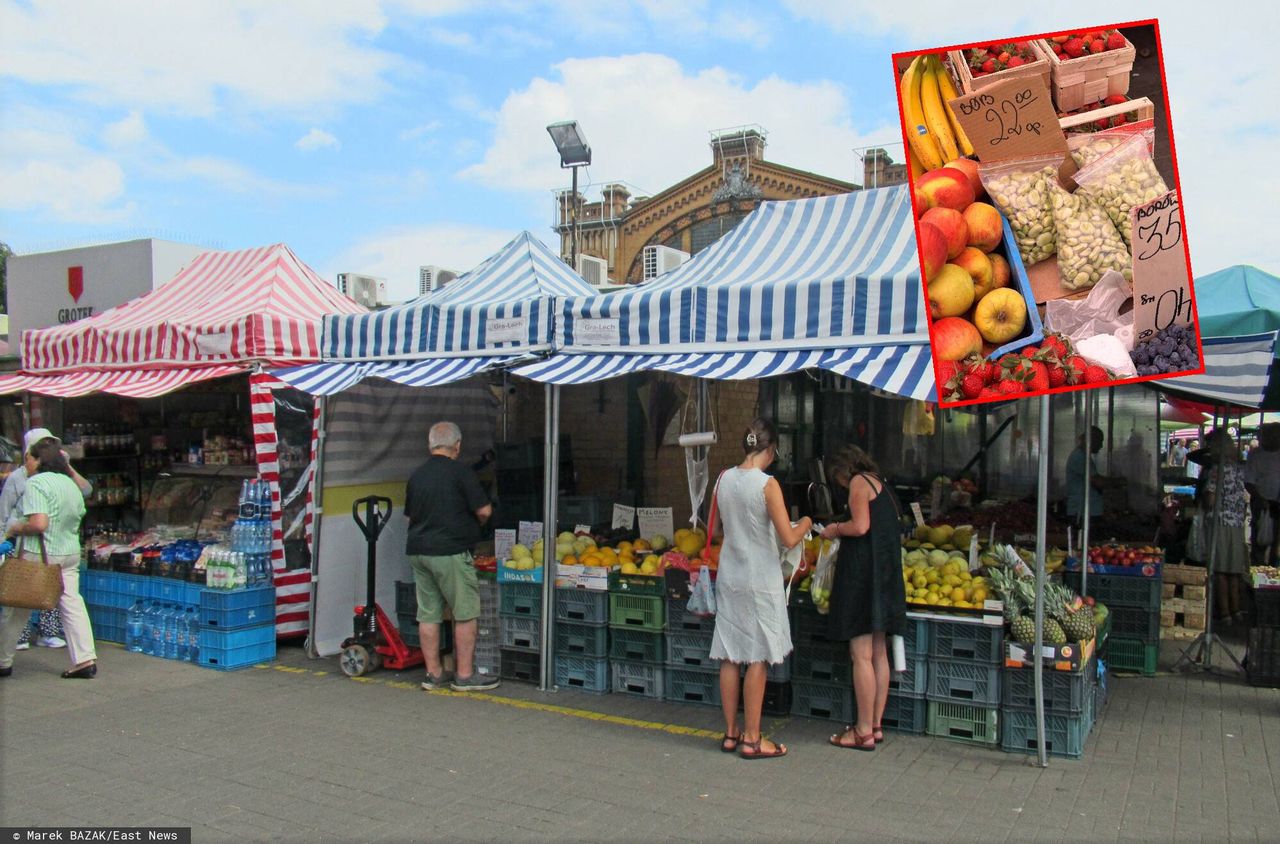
(703, 600)
(1097, 313)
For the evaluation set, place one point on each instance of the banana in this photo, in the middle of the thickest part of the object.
(918, 135)
(914, 168)
(935, 113)
(949, 93)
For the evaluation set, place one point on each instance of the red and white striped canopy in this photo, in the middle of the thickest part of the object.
(223, 308)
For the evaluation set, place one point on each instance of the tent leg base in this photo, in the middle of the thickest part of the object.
(1197, 656)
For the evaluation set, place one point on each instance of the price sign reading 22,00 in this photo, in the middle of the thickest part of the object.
(1005, 113)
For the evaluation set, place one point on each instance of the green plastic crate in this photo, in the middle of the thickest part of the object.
(964, 722)
(1131, 656)
(640, 612)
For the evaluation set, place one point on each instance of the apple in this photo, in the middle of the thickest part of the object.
(970, 168)
(955, 339)
(976, 263)
(953, 227)
(950, 292)
(933, 249)
(945, 187)
(1001, 315)
(1001, 275)
(985, 226)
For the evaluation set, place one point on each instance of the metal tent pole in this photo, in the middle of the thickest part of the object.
(317, 519)
(1042, 526)
(1085, 514)
(550, 490)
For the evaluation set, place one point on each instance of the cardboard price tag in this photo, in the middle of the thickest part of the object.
(1161, 282)
(656, 521)
(623, 517)
(503, 540)
(917, 512)
(530, 532)
(974, 563)
(577, 529)
(1011, 119)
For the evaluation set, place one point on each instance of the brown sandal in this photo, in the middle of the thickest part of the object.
(877, 732)
(860, 742)
(757, 753)
(725, 746)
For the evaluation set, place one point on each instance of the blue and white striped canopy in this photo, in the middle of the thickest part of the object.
(326, 379)
(502, 307)
(1237, 371)
(830, 282)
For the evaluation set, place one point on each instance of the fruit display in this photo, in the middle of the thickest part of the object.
(933, 133)
(1171, 349)
(937, 578)
(1054, 363)
(1067, 617)
(1086, 43)
(1264, 577)
(993, 58)
(1128, 556)
(642, 556)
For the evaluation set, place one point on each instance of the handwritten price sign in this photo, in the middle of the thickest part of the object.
(1161, 281)
(1012, 119)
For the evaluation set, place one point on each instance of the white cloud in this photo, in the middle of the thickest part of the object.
(452, 38)
(127, 132)
(413, 133)
(647, 120)
(316, 139)
(396, 254)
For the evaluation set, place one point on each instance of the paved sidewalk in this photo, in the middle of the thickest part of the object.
(297, 752)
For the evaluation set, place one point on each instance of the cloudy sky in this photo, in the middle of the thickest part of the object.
(377, 135)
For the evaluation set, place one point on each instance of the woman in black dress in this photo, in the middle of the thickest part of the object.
(868, 601)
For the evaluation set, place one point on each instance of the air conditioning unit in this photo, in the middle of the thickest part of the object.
(594, 270)
(659, 260)
(365, 289)
(431, 278)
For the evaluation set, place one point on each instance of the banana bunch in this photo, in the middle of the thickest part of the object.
(934, 135)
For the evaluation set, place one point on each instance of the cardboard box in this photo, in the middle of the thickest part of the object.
(1071, 657)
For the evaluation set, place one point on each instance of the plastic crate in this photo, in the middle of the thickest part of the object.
(407, 624)
(819, 700)
(1266, 607)
(1135, 623)
(780, 673)
(680, 619)
(522, 599)
(582, 606)
(585, 641)
(1131, 656)
(807, 625)
(235, 608)
(685, 686)
(643, 612)
(821, 661)
(520, 634)
(120, 590)
(777, 699)
(638, 678)
(488, 659)
(1064, 693)
(1116, 590)
(915, 639)
(108, 622)
(956, 640)
(904, 714)
(489, 601)
(584, 675)
(518, 665)
(630, 645)
(914, 682)
(406, 597)
(965, 682)
(653, 586)
(1264, 656)
(1064, 735)
(178, 591)
(229, 649)
(963, 722)
(690, 651)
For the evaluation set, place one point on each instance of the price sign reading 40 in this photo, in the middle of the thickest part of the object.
(1161, 281)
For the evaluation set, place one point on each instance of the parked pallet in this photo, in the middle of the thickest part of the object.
(1180, 612)
(1184, 591)
(1179, 632)
(1189, 575)
(1087, 79)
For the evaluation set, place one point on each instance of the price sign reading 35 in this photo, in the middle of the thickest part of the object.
(1161, 283)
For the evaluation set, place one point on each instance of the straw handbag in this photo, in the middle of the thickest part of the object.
(30, 584)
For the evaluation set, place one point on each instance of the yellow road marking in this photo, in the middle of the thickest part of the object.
(517, 703)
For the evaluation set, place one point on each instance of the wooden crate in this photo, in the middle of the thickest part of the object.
(1177, 632)
(1187, 575)
(1181, 590)
(967, 84)
(1181, 612)
(1142, 107)
(1087, 79)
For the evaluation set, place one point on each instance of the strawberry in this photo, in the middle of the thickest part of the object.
(1016, 61)
(1004, 57)
(1098, 46)
(1030, 351)
(1073, 48)
(989, 66)
(1057, 376)
(988, 393)
(1075, 367)
(971, 385)
(1022, 46)
(946, 370)
(1009, 387)
(1039, 380)
(1090, 36)
(1057, 48)
(1115, 99)
(1101, 123)
(1095, 375)
(1115, 41)
(1119, 120)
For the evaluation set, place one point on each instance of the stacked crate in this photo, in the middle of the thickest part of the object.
(1182, 606)
(1071, 702)
(637, 622)
(1263, 665)
(1134, 605)
(582, 640)
(963, 681)
(907, 708)
(407, 618)
(821, 673)
(520, 630)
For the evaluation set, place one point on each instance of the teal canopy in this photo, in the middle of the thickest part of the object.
(1237, 301)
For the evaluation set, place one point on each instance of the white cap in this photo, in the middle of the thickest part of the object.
(34, 436)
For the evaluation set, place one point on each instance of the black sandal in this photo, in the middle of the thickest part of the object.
(757, 753)
(725, 746)
(84, 672)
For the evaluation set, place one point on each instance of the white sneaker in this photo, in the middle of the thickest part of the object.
(51, 642)
(23, 646)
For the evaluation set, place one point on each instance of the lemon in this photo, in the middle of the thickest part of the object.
(931, 599)
(957, 594)
(979, 595)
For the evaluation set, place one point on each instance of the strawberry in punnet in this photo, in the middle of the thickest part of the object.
(1095, 375)
(1115, 41)
(1101, 123)
(946, 370)
(1016, 61)
(1074, 48)
(1098, 46)
(1039, 380)
(1075, 366)
(1057, 376)
(1009, 387)
(991, 371)
(971, 385)
(1119, 120)
(1115, 99)
(989, 66)
(1030, 351)
(989, 393)
(1004, 57)
(1022, 46)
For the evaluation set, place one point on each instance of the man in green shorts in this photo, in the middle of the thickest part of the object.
(446, 507)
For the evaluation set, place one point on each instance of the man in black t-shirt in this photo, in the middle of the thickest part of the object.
(446, 507)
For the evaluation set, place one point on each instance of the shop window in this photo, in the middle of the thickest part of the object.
(707, 232)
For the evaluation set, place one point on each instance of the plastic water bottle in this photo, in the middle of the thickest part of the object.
(136, 627)
(184, 634)
(171, 614)
(245, 499)
(156, 628)
(193, 634)
(241, 573)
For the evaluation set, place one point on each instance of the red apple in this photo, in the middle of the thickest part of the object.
(953, 227)
(933, 249)
(1001, 274)
(954, 338)
(976, 263)
(970, 168)
(946, 187)
(986, 229)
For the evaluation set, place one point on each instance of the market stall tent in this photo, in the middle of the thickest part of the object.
(225, 313)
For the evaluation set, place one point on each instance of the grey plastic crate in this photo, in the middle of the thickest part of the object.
(585, 641)
(583, 675)
(638, 678)
(964, 682)
(819, 700)
(1064, 693)
(972, 642)
(636, 645)
(693, 686)
(820, 661)
(582, 606)
(914, 682)
(679, 619)
(904, 714)
(690, 651)
(521, 634)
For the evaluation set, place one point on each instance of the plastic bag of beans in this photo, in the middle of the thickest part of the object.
(1020, 189)
(1088, 243)
(1089, 147)
(1122, 180)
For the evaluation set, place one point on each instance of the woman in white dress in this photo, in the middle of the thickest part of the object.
(751, 610)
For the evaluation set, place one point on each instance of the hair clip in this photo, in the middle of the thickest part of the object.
(751, 439)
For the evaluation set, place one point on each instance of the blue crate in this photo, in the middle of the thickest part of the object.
(1064, 735)
(969, 642)
(915, 639)
(582, 606)
(229, 649)
(108, 622)
(583, 675)
(690, 651)
(638, 678)
(964, 682)
(177, 591)
(904, 714)
(522, 599)
(820, 700)
(584, 641)
(520, 634)
(822, 661)
(231, 609)
(914, 682)
(693, 687)
(1065, 693)
(121, 590)
(679, 619)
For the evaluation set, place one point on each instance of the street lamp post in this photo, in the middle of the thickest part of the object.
(574, 152)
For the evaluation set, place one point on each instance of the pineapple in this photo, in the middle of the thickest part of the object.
(1079, 626)
(1023, 629)
(1075, 619)
(1053, 633)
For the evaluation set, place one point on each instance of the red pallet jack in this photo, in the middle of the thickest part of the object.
(376, 641)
